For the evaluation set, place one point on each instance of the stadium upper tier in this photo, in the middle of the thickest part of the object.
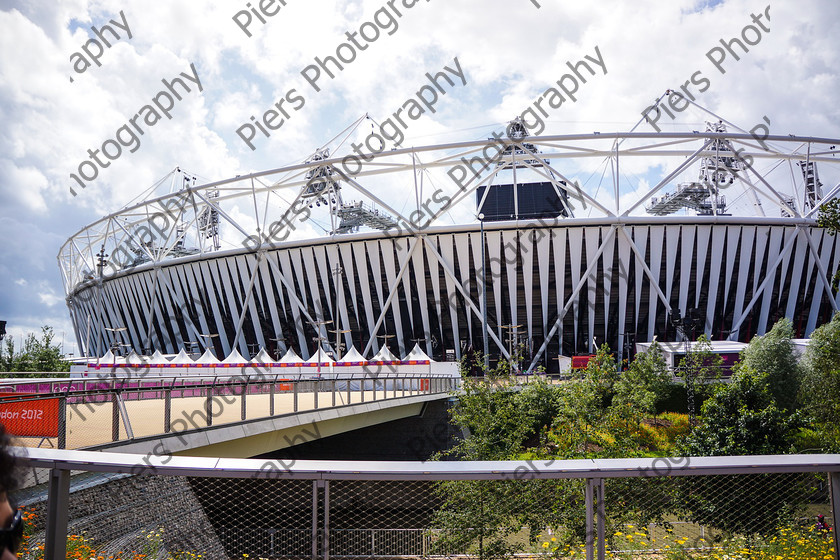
(578, 239)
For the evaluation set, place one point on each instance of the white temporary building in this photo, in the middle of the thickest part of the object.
(352, 356)
(234, 358)
(290, 357)
(262, 357)
(158, 358)
(321, 357)
(384, 355)
(134, 359)
(108, 358)
(417, 355)
(182, 359)
(207, 358)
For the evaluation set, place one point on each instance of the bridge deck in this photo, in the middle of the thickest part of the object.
(108, 413)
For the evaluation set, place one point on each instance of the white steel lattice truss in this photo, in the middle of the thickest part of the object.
(609, 273)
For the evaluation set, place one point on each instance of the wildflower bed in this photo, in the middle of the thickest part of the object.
(81, 547)
(631, 543)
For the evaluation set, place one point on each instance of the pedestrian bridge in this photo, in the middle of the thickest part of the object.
(218, 415)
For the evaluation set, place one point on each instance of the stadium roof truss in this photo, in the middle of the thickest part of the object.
(191, 222)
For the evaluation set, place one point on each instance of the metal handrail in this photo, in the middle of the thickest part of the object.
(593, 471)
(59, 389)
(221, 467)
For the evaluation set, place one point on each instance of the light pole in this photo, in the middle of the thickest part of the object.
(101, 261)
(484, 295)
(318, 325)
(336, 313)
(115, 330)
(277, 340)
(512, 335)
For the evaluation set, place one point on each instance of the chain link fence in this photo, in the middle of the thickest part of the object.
(226, 509)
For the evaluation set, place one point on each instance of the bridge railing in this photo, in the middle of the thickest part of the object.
(178, 507)
(76, 413)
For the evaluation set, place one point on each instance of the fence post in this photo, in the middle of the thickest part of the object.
(55, 545)
(315, 519)
(315, 387)
(295, 384)
(167, 410)
(602, 521)
(326, 520)
(333, 391)
(271, 397)
(244, 392)
(590, 519)
(208, 404)
(115, 412)
(62, 422)
(834, 487)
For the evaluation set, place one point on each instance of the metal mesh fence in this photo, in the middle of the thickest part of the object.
(274, 515)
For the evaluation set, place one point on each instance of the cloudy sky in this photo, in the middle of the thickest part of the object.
(57, 103)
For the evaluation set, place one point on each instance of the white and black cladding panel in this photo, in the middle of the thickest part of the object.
(568, 287)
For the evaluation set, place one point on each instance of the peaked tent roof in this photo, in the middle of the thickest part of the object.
(417, 354)
(384, 355)
(207, 358)
(353, 355)
(108, 358)
(134, 359)
(290, 357)
(234, 358)
(158, 358)
(182, 358)
(320, 356)
(262, 357)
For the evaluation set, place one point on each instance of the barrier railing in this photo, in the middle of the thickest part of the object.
(170, 507)
(79, 413)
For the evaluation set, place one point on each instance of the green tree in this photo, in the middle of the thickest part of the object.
(741, 418)
(644, 382)
(774, 355)
(829, 216)
(501, 418)
(598, 414)
(601, 375)
(37, 355)
(699, 368)
(820, 385)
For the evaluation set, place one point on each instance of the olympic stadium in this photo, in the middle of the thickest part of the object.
(540, 245)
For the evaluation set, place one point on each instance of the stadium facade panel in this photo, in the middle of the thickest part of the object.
(558, 244)
(570, 284)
